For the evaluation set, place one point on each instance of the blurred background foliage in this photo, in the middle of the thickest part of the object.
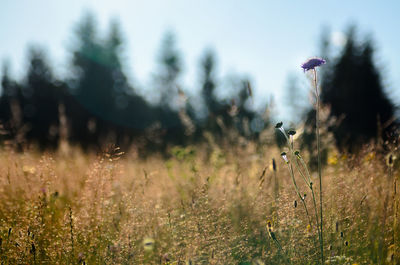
(96, 105)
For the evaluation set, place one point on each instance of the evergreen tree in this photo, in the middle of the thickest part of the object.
(170, 70)
(94, 65)
(41, 100)
(10, 91)
(354, 91)
(245, 114)
(11, 115)
(208, 82)
(113, 110)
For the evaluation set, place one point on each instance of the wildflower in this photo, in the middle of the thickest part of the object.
(332, 159)
(284, 156)
(311, 63)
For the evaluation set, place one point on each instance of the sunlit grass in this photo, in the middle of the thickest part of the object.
(202, 205)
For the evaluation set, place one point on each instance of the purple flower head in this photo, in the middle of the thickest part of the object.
(311, 63)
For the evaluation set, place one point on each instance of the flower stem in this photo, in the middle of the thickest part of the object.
(291, 171)
(309, 184)
(319, 162)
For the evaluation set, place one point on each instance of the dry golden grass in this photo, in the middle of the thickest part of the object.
(203, 205)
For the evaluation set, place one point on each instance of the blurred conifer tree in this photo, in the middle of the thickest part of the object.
(208, 82)
(42, 96)
(354, 91)
(169, 72)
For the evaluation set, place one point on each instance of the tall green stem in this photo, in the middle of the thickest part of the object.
(319, 162)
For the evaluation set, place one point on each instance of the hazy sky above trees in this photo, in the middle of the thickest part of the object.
(267, 40)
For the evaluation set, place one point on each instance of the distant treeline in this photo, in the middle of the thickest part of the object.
(96, 105)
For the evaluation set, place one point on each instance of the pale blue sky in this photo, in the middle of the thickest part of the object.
(266, 40)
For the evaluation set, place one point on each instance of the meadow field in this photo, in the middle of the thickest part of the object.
(205, 204)
(199, 132)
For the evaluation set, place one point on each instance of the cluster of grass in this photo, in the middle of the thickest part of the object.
(201, 205)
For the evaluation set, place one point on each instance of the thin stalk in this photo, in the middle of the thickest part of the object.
(309, 185)
(281, 250)
(311, 188)
(300, 197)
(319, 163)
(395, 206)
(298, 193)
(290, 144)
(304, 176)
(276, 187)
(303, 163)
(71, 227)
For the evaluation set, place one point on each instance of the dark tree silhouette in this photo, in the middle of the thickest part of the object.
(11, 115)
(113, 111)
(10, 91)
(42, 96)
(96, 68)
(209, 82)
(97, 105)
(245, 115)
(354, 91)
(211, 105)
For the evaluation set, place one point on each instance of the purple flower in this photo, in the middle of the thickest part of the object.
(311, 63)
